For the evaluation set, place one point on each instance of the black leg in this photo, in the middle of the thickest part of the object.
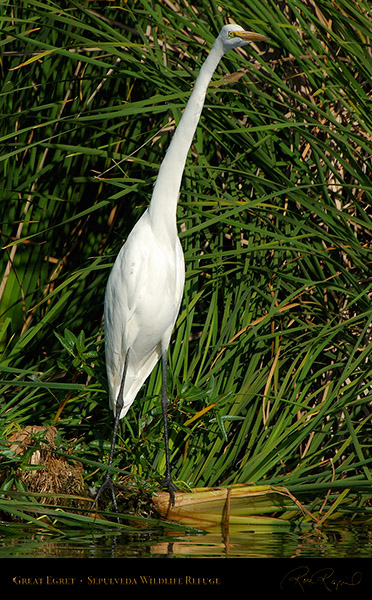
(108, 483)
(167, 483)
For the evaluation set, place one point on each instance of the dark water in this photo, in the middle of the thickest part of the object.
(348, 542)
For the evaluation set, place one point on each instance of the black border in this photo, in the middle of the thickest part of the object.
(285, 578)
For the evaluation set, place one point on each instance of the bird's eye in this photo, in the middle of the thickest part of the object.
(231, 34)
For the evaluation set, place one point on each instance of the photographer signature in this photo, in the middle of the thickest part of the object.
(302, 578)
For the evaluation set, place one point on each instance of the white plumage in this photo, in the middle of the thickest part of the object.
(143, 297)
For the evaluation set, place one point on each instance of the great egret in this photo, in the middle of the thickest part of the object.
(145, 286)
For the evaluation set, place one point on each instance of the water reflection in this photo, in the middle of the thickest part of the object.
(350, 541)
(255, 544)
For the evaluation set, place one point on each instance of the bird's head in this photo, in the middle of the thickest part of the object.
(234, 36)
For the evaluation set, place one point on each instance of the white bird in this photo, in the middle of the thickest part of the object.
(145, 287)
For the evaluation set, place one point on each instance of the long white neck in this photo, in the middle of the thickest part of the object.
(163, 205)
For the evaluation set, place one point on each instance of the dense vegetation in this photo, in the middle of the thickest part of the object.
(269, 367)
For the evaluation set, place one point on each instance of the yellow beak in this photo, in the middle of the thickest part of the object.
(250, 36)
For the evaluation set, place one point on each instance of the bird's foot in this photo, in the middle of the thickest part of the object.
(168, 484)
(107, 484)
(110, 485)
